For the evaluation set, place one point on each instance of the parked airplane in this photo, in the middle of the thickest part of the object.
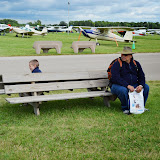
(140, 32)
(23, 31)
(106, 33)
(27, 30)
(4, 28)
(59, 29)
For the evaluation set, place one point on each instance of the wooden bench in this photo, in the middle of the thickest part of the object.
(79, 46)
(46, 45)
(1, 86)
(95, 83)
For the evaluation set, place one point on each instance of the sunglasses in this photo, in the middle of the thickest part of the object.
(126, 54)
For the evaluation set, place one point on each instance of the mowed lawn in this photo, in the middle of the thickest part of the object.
(18, 46)
(80, 129)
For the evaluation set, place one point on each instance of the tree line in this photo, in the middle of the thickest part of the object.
(15, 23)
(149, 25)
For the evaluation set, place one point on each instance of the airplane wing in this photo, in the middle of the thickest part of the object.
(106, 29)
(4, 29)
(83, 27)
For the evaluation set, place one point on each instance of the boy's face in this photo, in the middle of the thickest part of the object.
(32, 67)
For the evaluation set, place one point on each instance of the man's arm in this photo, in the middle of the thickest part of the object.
(141, 75)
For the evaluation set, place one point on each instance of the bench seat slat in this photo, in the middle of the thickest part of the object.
(9, 89)
(14, 78)
(2, 91)
(42, 98)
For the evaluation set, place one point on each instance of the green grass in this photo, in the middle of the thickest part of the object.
(80, 129)
(17, 46)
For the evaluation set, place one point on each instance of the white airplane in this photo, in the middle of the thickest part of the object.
(27, 30)
(4, 27)
(106, 33)
(140, 32)
(59, 29)
(153, 31)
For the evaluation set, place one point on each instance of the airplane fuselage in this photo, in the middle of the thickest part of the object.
(29, 31)
(59, 29)
(95, 34)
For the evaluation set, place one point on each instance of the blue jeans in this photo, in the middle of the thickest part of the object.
(122, 93)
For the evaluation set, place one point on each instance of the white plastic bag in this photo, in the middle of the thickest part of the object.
(136, 102)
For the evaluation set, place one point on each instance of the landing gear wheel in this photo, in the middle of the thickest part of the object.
(97, 44)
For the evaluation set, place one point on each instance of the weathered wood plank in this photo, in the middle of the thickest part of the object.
(14, 78)
(9, 89)
(2, 91)
(42, 98)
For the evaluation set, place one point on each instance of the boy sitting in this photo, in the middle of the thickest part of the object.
(34, 66)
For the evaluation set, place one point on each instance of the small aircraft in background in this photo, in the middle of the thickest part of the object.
(139, 31)
(27, 30)
(153, 31)
(4, 28)
(59, 29)
(106, 33)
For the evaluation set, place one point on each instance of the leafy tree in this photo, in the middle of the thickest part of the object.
(62, 23)
(151, 25)
(9, 21)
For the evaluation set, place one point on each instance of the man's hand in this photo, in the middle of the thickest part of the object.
(131, 88)
(139, 88)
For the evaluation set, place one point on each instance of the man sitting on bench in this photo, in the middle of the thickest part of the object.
(128, 76)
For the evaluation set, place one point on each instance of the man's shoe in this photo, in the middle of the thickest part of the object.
(145, 109)
(126, 112)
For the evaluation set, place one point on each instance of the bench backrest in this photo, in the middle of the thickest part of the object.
(37, 82)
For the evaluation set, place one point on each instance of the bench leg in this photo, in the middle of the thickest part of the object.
(75, 49)
(45, 50)
(38, 50)
(92, 49)
(80, 50)
(36, 108)
(106, 101)
(58, 49)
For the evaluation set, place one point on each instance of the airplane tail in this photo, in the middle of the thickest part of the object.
(128, 36)
(45, 30)
(10, 27)
(27, 26)
(70, 28)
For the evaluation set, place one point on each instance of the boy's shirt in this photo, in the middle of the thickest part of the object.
(37, 70)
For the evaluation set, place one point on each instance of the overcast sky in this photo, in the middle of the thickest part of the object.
(54, 11)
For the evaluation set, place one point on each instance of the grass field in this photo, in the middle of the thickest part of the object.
(80, 129)
(17, 46)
